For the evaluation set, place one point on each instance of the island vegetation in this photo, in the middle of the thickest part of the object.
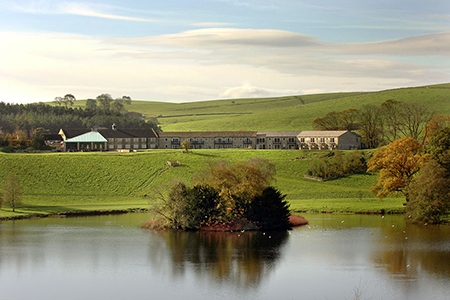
(225, 197)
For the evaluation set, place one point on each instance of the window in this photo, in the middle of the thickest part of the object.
(277, 140)
(313, 140)
(136, 140)
(332, 140)
(322, 140)
(302, 140)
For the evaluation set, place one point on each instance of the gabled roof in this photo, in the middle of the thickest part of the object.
(322, 133)
(88, 137)
(70, 132)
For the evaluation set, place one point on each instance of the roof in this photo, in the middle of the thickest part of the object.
(127, 133)
(70, 133)
(52, 137)
(279, 133)
(89, 137)
(322, 133)
(110, 133)
(207, 134)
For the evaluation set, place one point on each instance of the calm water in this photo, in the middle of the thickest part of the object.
(335, 257)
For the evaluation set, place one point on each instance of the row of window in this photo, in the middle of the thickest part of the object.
(230, 140)
(320, 140)
(129, 140)
(128, 146)
(222, 146)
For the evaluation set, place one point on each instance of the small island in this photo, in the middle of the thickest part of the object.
(226, 197)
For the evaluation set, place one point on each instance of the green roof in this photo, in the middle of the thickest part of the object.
(88, 137)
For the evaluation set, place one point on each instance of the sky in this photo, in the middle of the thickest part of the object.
(183, 51)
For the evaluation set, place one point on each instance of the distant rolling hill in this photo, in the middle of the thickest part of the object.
(289, 113)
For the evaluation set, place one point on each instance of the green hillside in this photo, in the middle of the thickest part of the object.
(58, 182)
(290, 113)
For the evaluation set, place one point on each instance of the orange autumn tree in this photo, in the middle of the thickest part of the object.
(397, 163)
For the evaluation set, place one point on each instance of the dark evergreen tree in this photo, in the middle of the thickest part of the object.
(270, 210)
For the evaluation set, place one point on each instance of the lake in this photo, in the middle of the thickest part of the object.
(334, 257)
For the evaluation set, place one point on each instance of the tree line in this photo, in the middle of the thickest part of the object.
(24, 125)
(380, 125)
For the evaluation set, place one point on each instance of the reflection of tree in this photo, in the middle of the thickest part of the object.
(405, 251)
(242, 258)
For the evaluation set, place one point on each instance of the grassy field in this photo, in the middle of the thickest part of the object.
(63, 182)
(290, 113)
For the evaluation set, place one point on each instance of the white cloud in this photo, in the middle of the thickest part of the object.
(230, 38)
(252, 4)
(249, 91)
(75, 8)
(82, 9)
(208, 64)
(211, 24)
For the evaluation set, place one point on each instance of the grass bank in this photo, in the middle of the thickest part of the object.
(58, 183)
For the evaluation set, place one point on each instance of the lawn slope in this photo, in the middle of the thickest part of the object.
(61, 182)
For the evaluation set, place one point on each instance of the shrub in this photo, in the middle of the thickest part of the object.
(335, 165)
(429, 194)
(192, 207)
(229, 195)
(269, 210)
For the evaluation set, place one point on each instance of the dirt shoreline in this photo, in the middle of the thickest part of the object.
(295, 220)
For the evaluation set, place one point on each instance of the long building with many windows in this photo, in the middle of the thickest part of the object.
(117, 139)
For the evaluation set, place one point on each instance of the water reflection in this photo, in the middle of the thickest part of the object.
(111, 257)
(408, 250)
(243, 259)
